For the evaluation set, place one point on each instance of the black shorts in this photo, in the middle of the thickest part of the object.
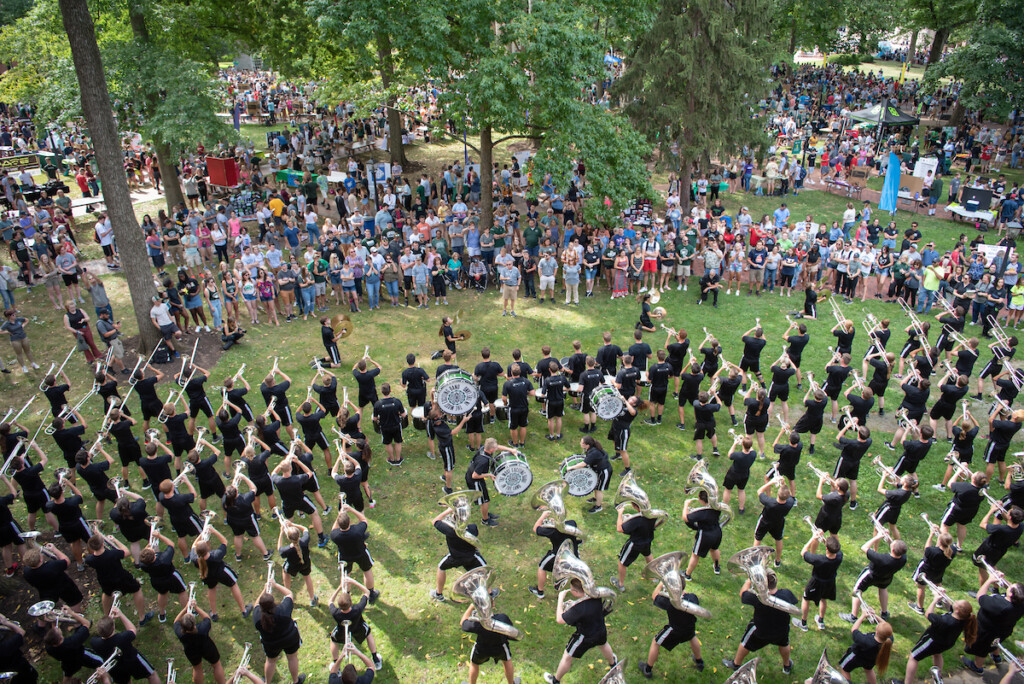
(317, 440)
(407, 282)
(364, 561)
(151, 409)
(669, 637)
(619, 438)
(922, 572)
(481, 487)
(475, 425)
(416, 398)
(104, 495)
(11, 534)
(181, 446)
(865, 580)
(108, 250)
(631, 550)
(35, 501)
(926, 646)
(995, 453)
(983, 643)
(135, 668)
(233, 446)
(288, 648)
(332, 353)
(303, 505)
(555, 410)
(954, 515)
(832, 392)
(778, 392)
(312, 484)
(70, 278)
(587, 406)
(579, 645)
(518, 418)
(186, 527)
(942, 410)
(480, 655)
(249, 527)
(211, 488)
(285, 414)
(200, 405)
(547, 563)
(731, 480)
(604, 478)
(753, 365)
(367, 399)
(706, 541)
(787, 470)
(794, 359)
(818, 590)
(878, 388)
(208, 652)
(993, 368)
(75, 530)
(296, 569)
(807, 425)
(764, 529)
(906, 465)
(658, 395)
(852, 661)
(264, 486)
(226, 577)
(754, 641)
(467, 563)
(755, 425)
(447, 454)
(490, 394)
(129, 452)
(827, 523)
(704, 430)
(846, 469)
(126, 584)
(391, 435)
(356, 633)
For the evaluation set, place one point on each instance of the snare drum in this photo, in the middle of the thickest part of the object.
(512, 474)
(418, 421)
(500, 409)
(643, 382)
(575, 389)
(606, 401)
(582, 481)
(455, 392)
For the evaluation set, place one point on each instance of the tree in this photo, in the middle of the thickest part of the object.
(989, 65)
(696, 75)
(943, 18)
(92, 84)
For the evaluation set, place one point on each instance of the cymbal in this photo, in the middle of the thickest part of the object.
(458, 314)
(346, 330)
(463, 335)
(340, 320)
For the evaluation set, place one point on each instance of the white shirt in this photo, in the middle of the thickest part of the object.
(160, 313)
(105, 231)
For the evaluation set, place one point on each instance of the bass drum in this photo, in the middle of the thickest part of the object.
(512, 474)
(582, 481)
(455, 392)
(606, 401)
(418, 420)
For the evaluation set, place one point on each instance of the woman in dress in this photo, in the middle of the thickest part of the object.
(249, 296)
(229, 283)
(620, 275)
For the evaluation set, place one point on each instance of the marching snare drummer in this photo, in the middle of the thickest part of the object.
(589, 381)
(445, 436)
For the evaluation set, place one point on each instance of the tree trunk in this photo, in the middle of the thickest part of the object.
(92, 85)
(938, 43)
(387, 76)
(486, 191)
(912, 49)
(792, 33)
(956, 117)
(685, 180)
(172, 188)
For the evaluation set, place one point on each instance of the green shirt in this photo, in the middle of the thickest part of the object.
(312, 267)
(532, 236)
(441, 247)
(499, 232)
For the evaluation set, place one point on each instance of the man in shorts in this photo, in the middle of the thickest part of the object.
(160, 315)
(110, 332)
(769, 626)
(684, 262)
(510, 278)
(420, 277)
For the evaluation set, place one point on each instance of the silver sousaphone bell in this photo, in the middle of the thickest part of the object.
(745, 674)
(666, 569)
(825, 673)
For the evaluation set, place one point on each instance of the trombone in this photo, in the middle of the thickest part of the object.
(51, 371)
(172, 399)
(8, 419)
(143, 366)
(208, 516)
(186, 360)
(999, 332)
(68, 411)
(107, 666)
(884, 470)
(836, 311)
(1000, 578)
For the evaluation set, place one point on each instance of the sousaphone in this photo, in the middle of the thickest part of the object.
(746, 674)
(616, 675)
(629, 492)
(825, 673)
(753, 562)
(666, 569)
(460, 503)
(474, 586)
(568, 566)
(551, 496)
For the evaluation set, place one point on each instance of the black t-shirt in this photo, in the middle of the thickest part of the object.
(597, 459)
(487, 373)
(557, 538)
(997, 615)
(966, 497)
(852, 450)
(365, 380)
(836, 375)
(486, 640)
(789, 454)
(627, 379)
(658, 375)
(797, 343)
(109, 570)
(146, 389)
(56, 396)
(587, 617)
(640, 351)
(351, 542)
(327, 335)
(781, 376)
(290, 488)
(752, 347)
(457, 546)
(389, 412)
(679, 620)
(823, 568)
(639, 529)
(328, 392)
(607, 358)
(555, 387)
(194, 387)
(774, 511)
(415, 380)
(677, 353)
(883, 566)
(278, 391)
(197, 642)
(704, 414)
(517, 391)
(179, 506)
(767, 620)
(282, 631)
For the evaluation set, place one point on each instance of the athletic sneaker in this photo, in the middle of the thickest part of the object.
(436, 596)
(914, 607)
(372, 503)
(646, 670)
(847, 617)
(617, 584)
(730, 664)
(536, 592)
(378, 662)
(939, 487)
(595, 509)
(717, 568)
(819, 622)
(800, 624)
(788, 667)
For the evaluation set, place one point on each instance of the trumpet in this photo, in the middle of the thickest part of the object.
(671, 331)
(51, 371)
(119, 488)
(932, 527)
(815, 530)
(238, 373)
(996, 504)
(208, 516)
(736, 438)
(869, 612)
(154, 528)
(936, 590)
(239, 470)
(107, 666)
(268, 586)
(62, 476)
(191, 597)
(270, 408)
(1000, 578)
(345, 625)
(243, 664)
(811, 383)
(1010, 657)
(880, 528)
(172, 674)
(115, 603)
(185, 470)
(822, 475)
(273, 368)
(884, 470)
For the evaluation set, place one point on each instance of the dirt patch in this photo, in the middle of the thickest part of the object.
(208, 352)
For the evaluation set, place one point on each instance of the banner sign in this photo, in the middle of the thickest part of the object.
(18, 161)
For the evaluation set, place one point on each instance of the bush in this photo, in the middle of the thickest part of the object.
(866, 59)
(845, 60)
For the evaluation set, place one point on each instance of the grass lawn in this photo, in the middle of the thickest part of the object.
(419, 639)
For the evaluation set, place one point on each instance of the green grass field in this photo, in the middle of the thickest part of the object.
(419, 639)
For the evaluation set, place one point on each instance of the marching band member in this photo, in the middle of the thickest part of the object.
(778, 390)
(821, 587)
(348, 674)
(228, 419)
(640, 529)
(50, 577)
(676, 352)
(881, 361)
(619, 431)
(478, 472)
(67, 435)
(194, 378)
(270, 389)
(942, 634)
(753, 342)
(445, 436)
(795, 345)
(210, 484)
(179, 509)
(70, 650)
(964, 506)
(291, 486)
(704, 410)
(516, 391)
(705, 521)
(933, 565)
(111, 575)
(145, 389)
(556, 537)
(330, 341)
(258, 473)
(964, 433)
(347, 473)
(589, 380)
(870, 652)
(889, 512)
(215, 572)
(758, 413)
(952, 388)
(830, 515)
(844, 333)
(351, 542)
(278, 633)
(130, 663)
(295, 554)
(461, 554)
(1002, 428)
(729, 386)
(486, 375)
(681, 629)
(914, 451)
(850, 455)
(739, 472)
(913, 343)
(1001, 538)
(914, 404)
(658, 375)
(240, 516)
(860, 400)
(587, 616)
(772, 520)
(95, 475)
(176, 431)
(813, 419)
(1000, 350)
(236, 397)
(882, 568)
(691, 378)
(70, 521)
(388, 414)
(196, 642)
(366, 380)
(328, 391)
(836, 373)
(163, 576)
(343, 610)
(627, 377)
(768, 626)
(554, 388)
(998, 615)
(488, 645)
(312, 432)
(128, 449)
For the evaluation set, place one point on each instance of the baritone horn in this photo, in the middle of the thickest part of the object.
(665, 568)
